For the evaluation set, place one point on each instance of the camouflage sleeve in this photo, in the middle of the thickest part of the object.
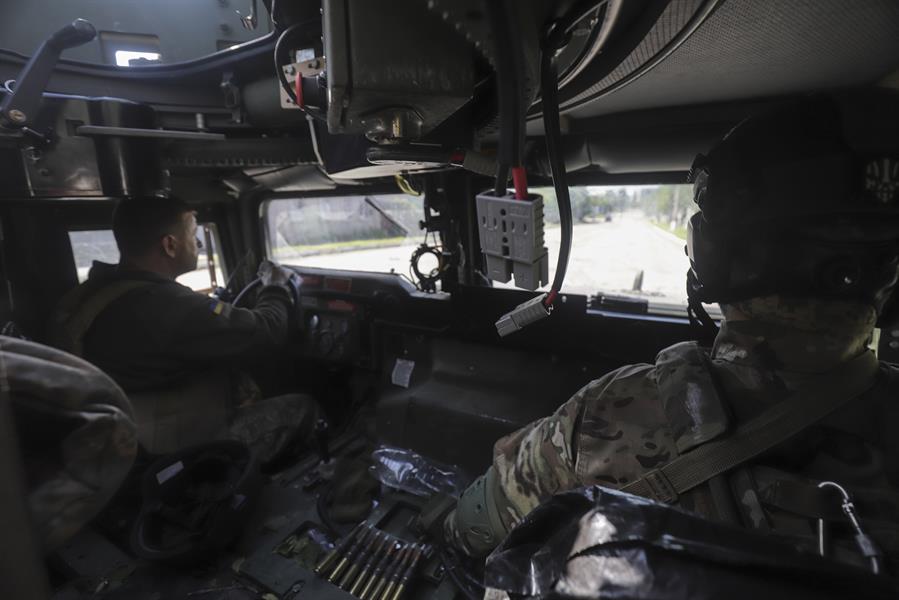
(623, 430)
(548, 456)
(529, 466)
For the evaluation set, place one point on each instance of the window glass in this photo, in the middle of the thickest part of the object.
(99, 245)
(123, 58)
(363, 233)
(628, 241)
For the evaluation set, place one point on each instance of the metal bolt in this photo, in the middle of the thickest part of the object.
(17, 116)
(32, 154)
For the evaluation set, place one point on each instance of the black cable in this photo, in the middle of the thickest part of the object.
(504, 22)
(321, 507)
(502, 180)
(558, 35)
(273, 14)
(599, 9)
(553, 135)
(470, 587)
(279, 61)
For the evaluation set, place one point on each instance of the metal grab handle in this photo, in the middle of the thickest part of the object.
(22, 104)
(865, 543)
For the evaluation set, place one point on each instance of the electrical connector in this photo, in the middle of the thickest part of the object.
(511, 235)
(523, 315)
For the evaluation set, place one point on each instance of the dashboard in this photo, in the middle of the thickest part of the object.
(338, 311)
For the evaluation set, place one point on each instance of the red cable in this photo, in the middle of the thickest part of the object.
(520, 181)
(550, 298)
(298, 89)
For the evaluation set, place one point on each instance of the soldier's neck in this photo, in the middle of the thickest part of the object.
(149, 265)
(803, 336)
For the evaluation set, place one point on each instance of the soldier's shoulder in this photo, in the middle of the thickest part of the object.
(673, 365)
(621, 383)
(666, 398)
(171, 289)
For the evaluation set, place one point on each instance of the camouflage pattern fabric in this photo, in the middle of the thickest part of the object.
(616, 428)
(76, 433)
(273, 426)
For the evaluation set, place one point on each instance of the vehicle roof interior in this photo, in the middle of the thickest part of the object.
(688, 70)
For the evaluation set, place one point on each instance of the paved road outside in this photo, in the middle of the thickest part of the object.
(608, 256)
(604, 257)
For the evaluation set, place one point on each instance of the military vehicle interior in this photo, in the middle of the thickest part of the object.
(349, 141)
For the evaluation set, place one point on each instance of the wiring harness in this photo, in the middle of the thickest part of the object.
(512, 139)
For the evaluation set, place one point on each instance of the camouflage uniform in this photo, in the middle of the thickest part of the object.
(620, 426)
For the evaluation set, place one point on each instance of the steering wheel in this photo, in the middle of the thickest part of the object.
(293, 283)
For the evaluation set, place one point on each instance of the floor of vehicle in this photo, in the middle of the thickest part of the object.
(275, 554)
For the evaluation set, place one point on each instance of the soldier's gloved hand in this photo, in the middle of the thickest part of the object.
(275, 275)
(272, 274)
(431, 519)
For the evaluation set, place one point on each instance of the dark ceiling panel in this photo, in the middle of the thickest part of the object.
(762, 48)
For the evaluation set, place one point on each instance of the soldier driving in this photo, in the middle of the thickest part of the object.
(173, 350)
(798, 241)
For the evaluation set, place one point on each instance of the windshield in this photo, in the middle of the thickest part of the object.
(628, 241)
(136, 32)
(359, 233)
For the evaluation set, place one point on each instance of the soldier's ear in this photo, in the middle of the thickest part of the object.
(170, 245)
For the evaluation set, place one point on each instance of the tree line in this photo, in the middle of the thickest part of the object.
(664, 204)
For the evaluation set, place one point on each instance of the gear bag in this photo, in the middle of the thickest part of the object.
(599, 543)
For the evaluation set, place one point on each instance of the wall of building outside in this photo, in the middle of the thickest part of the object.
(186, 29)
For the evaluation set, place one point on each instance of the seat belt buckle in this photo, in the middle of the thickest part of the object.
(660, 487)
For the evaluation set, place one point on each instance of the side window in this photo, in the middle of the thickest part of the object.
(99, 245)
(129, 49)
(361, 233)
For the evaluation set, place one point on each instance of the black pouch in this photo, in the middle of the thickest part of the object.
(599, 543)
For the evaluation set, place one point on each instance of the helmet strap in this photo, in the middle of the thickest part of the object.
(700, 318)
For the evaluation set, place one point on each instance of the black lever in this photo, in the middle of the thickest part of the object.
(22, 104)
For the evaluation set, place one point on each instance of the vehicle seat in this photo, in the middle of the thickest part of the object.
(205, 408)
(75, 431)
(192, 412)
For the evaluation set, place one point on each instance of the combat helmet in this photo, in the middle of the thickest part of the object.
(801, 200)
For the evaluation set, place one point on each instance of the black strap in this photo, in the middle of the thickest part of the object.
(76, 320)
(696, 312)
(788, 418)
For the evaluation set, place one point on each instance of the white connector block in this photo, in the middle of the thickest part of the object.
(523, 315)
(511, 236)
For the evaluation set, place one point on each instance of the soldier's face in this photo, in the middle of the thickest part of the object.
(188, 244)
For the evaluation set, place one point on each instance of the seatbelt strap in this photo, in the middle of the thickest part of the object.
(76, 323)
(776, 425)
